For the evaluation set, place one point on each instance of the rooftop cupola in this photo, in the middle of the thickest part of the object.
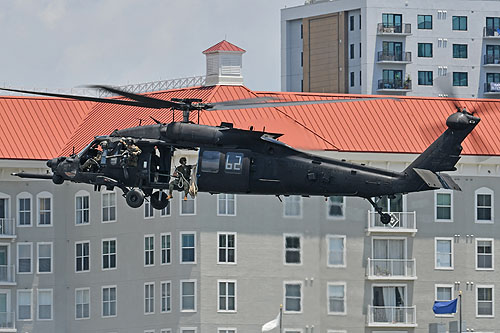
(224, 64)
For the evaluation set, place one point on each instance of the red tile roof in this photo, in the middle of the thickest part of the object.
(41, 128)
(224, 46)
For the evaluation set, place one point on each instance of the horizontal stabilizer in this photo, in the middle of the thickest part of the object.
(434, 180)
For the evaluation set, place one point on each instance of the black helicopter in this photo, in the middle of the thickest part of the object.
(238, 161)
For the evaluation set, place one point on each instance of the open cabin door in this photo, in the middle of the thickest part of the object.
(224, 170)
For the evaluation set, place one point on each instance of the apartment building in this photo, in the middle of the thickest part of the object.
(414, 48)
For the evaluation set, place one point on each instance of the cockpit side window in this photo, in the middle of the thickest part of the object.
(210, 161)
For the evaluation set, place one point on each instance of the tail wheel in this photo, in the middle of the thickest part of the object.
(385, 218)
(57, 179)
(134, 198)
(159, 200)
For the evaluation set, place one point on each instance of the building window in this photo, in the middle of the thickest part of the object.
(82, 256)
(444, 292)
(188, 330)
(360, 78)
(24, 303)
(149, 250)
(109, 301)
(389, 304)
(484, 254)
(226, 247)
(166, 296)
(392, 21)
(444, 206)
(351, 23)
(188, 296)
(165, 211)
(188, 247)
(166, 248)
(492, 26)
(444, 253)
(226, 204)
(459, 23)
(460, 51)
(359, 21)
(24, 255)
(425, 50)
(188, 207)
(425, 78)
(108, 207)
(336, 298)
(148, 210)
(336, 207)
(82, 303)
(484, 305)
(460, 79)
(336, 250)
(292, 206)
(293, 296)
(24, 209)
(351, 79)
(227, 296)
(45, 304)
(484, 205)
(226, 330)
(351, 51)
(108, 253)
(424, 21)
(82, 208)
(360, 50)
(44, 201)
(293, 250)
(149, 298)
(44, 258)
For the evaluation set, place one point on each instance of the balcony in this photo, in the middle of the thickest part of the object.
(394, 30)
(394, 58)
(391, 269)
(401, 222)
(491, 60)
(492, 88)
(394, 85)
(7, 228)
(391, 316)
(7, 275)
(491, 33)
(8, 322)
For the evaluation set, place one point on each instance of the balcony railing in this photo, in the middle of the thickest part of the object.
(7, 227)
(7, 274)
(400, 222)
(491, 32)
(393, 57)
(398, 269)
(492, 87)
(387, 29)
(492, 59)
(394, 84)
(392, 316)
(7, 321)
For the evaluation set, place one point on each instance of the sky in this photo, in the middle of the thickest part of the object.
(61, 44)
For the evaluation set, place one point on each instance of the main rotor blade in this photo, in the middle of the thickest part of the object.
(227, 106)
(149, 102)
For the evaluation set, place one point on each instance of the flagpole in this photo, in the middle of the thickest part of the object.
(460, 314)
(281, 318)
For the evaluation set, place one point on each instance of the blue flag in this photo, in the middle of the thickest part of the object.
(445, 307)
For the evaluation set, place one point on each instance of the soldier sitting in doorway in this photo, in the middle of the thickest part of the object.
(182, 178)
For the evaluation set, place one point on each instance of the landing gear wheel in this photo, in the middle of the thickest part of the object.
(134, 198)
(57, 179)
(159, 200)
(385, 218)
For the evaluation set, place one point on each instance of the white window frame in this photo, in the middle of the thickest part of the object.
(165, 249)
(492, 240)
(115, 301)
(344, 331)
(452, 288)
(76, 292)
(166, 330)
(44, 195)
(31, 304)
(301, 283)
(436, 192)
(181, 295)
(225, 329)
(388, 285)
(330, 237)
(286, 201)
(180, 248)
(167, 214)
(148, 209)
(492, 300)
(329, 204)
(30, 244)
(294, 330)
(450, 239)
(82, 194)
(484, 191)
(344, 285)
(103, 193)
(227, 296)
(76, 256)
(109, 254)
(38, 257)
(148, 251)
(226, 248)
(149, 299)
(149, 331)
(24, 195)
(9, 209)
(184, 329)
(169, 285)
(181, 200)
(226, 204)
(301, 240)
(51, 305)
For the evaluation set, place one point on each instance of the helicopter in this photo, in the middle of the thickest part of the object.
(241, 161)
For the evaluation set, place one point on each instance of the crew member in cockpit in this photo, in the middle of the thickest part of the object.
(182, 178)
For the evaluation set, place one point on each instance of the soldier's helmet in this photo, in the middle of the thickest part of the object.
(182, 160)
